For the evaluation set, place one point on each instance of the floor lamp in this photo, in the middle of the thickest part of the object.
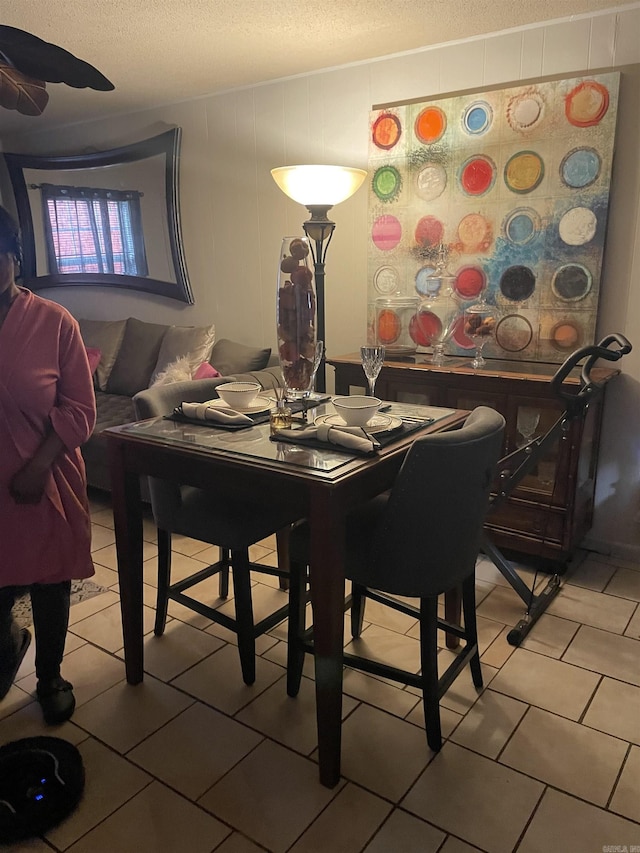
(319, 188)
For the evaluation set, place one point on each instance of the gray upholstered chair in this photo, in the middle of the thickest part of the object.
(212, 517)
(419, 540)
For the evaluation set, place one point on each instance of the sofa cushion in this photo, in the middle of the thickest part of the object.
(137, 357)
(194, 342)
(105, 335)
(230, 357)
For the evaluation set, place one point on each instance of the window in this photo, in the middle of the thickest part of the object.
(91, 230)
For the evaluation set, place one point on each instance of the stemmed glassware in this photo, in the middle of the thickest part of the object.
(372, 359)
(479, 325)
(527, 423)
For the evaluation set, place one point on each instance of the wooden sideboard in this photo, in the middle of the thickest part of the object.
(551, 510)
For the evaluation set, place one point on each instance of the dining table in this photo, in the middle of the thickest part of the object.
(321, 481)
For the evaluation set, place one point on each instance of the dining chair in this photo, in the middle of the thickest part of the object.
(419, 540)
(213, 517)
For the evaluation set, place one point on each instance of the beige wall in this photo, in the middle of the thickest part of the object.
(233, 215)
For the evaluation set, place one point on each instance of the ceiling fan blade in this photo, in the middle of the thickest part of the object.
(45, 61)
(19, 92)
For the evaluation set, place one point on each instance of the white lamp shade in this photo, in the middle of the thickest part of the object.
(321, 185)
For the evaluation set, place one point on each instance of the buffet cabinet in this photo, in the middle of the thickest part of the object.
(551, 509)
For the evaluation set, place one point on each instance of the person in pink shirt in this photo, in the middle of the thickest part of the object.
(47, 411)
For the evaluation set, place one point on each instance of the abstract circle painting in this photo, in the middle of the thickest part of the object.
(580, 168)
(386, 131)
(477, 175)
(477, 118)
(587, 104)
(524, 172)
(430, 125)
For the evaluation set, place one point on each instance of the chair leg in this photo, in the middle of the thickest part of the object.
(358, 602)
(282, 543)
(452, 613)
(470, 626)
(223, 580)
(244, 613)
(429, 659)
(164, 579)
(296, 627)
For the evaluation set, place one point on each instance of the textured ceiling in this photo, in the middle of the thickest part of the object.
(160, 51)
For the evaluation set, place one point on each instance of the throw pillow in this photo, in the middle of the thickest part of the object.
(195, 342)
(206, 371)
(178, 371)
(93, 355)
(137, 357)
(229, 357)
(105, 335)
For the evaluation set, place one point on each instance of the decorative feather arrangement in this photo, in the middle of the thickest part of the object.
(27, 63)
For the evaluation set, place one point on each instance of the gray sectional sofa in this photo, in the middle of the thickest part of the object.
(133, 353)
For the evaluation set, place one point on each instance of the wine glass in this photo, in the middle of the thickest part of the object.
(479, 325)
(527, 423)
(372, 359)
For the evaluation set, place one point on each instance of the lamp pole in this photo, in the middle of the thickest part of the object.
(319, 229)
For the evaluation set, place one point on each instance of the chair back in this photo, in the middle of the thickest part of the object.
(166, 497)
(428, 537)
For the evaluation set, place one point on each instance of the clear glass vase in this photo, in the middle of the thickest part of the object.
(296, 317)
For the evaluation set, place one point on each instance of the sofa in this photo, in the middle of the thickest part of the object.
(132, 354)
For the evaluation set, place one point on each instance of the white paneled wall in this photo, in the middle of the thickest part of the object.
(234, 216)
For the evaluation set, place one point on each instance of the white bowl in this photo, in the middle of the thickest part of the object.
(238, 395)
(356, 410)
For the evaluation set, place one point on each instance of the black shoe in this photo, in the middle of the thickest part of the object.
(7, 675)
(56, 699)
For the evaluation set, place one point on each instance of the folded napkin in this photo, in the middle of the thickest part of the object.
(351, 438)
(205, 412)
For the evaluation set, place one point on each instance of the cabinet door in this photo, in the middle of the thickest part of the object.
(529, 418)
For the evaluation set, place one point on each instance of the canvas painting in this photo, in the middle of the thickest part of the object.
(511, 189)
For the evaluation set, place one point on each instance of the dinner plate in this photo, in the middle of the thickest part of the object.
(260, 404)
(378, 423)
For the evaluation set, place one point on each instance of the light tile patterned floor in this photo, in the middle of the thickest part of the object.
(546, 758)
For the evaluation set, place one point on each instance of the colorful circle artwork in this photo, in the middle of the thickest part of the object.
(429, 231)
(388, 327)
(571, 282)
(517, 283)
(514, 333)
(431, 181)
(426, 284)
(525, 110)
(477, 118)
(386, 280)
(578, 226)
(430, 125)
(477, 175)
(475, 233)
(521, 226)
(524, 172)
(469, 282)
(587, 104)
(423, 327)
(386, 232)
(387, 183)
(386, 131)
(580, 168)
(566, 336)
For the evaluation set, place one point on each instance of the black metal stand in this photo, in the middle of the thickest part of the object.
(513, 467)
(318, 229)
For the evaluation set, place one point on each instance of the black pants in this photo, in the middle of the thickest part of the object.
(50, 606)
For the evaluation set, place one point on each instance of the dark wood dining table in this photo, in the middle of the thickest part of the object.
(323, 484)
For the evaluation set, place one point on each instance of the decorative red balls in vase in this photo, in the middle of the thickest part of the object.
(296, 317)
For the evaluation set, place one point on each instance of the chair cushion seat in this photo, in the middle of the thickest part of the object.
(215, 518)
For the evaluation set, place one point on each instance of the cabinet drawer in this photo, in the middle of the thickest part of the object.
(537, 521)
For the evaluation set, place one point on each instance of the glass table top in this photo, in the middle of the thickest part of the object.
(256, 441)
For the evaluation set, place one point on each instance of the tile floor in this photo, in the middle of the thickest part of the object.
(546, 758)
